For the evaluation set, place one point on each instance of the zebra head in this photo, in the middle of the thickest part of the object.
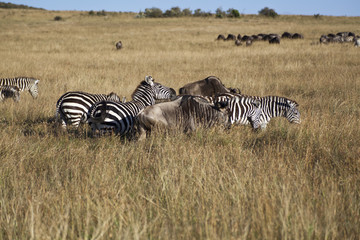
(292, 113)
(160, 91)
(113, 97)
(33, 88)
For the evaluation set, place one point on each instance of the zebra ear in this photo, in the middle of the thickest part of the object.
(149, 80)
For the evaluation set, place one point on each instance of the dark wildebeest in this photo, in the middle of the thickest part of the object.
(231, 37)
(239, 36)
(238, 42)
(245, 37)
(286, 35)
(220, 37)
(297, 36)
(187, 113)
(274, 40)
(209, 86)
(119, 45)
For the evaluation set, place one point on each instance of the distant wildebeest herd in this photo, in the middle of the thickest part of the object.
(204, 103)
(273, 38)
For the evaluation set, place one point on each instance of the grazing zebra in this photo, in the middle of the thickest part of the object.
(9, 92)
(23, 83)
(73, 107)
(242, 109)
(274, 106)
(120, 117)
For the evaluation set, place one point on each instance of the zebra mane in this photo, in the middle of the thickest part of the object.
(141, 85)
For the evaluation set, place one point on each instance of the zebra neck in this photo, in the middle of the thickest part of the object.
(143, 97)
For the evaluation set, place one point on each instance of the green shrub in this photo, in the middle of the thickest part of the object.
(153, 12)
(268, 12)
(58, 18)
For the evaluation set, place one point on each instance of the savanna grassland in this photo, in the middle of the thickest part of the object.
(287, 182)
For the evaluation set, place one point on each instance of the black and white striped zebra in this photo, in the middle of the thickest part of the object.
(9, 92)
(23, 83)
(73, 107)
(242, 109)
(120, 117)
(275, 106)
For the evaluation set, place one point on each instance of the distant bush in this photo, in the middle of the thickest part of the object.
(58, 18)
(21, 6)
(268, 12)
(153, 12)
(219, 13)
(91, 13)
(173, 12)
(317, 16)
(101, 13)
(186, 12)
(233, 13)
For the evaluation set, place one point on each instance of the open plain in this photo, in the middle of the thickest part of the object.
(287, 182)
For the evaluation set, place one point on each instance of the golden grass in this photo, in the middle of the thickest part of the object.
(288, 182)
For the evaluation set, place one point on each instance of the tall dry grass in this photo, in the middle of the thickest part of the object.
(288, 182)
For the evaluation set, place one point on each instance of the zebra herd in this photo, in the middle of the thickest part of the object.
(11, 87)
(107, 113)
(340, 37)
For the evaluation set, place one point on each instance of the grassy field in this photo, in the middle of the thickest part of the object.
(288, 182)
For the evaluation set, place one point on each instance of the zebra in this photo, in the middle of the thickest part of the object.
(9, 92)
(275, 106)
(242, 109)
(23, 83)
(73, 107)
(120, 117)
(270, 106)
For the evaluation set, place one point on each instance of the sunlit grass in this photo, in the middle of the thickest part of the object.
(290, 181)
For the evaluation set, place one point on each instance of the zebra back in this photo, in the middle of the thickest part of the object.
(275, 106)
(243, 109)
(9, 92)
(23, 83)
(73, 107)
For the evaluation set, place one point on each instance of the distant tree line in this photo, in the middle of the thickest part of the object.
(178, 12)
(219, 13)
(20, 6)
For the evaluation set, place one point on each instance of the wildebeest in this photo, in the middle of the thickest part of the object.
(286, 35)
(231, 37)
(220, 37)
(187, 113)
(209, 86)
(274, 40)
(7, 91)
(297, 36)
(119, 45)
(248, 42)
(238, 42)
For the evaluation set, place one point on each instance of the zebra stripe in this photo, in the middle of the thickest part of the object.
(9, 92)
(23, 83)
(275, 106)
(73, 107)
(120, 117)
(242, 109)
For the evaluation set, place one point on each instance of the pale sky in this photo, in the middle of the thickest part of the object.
(289, 7)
